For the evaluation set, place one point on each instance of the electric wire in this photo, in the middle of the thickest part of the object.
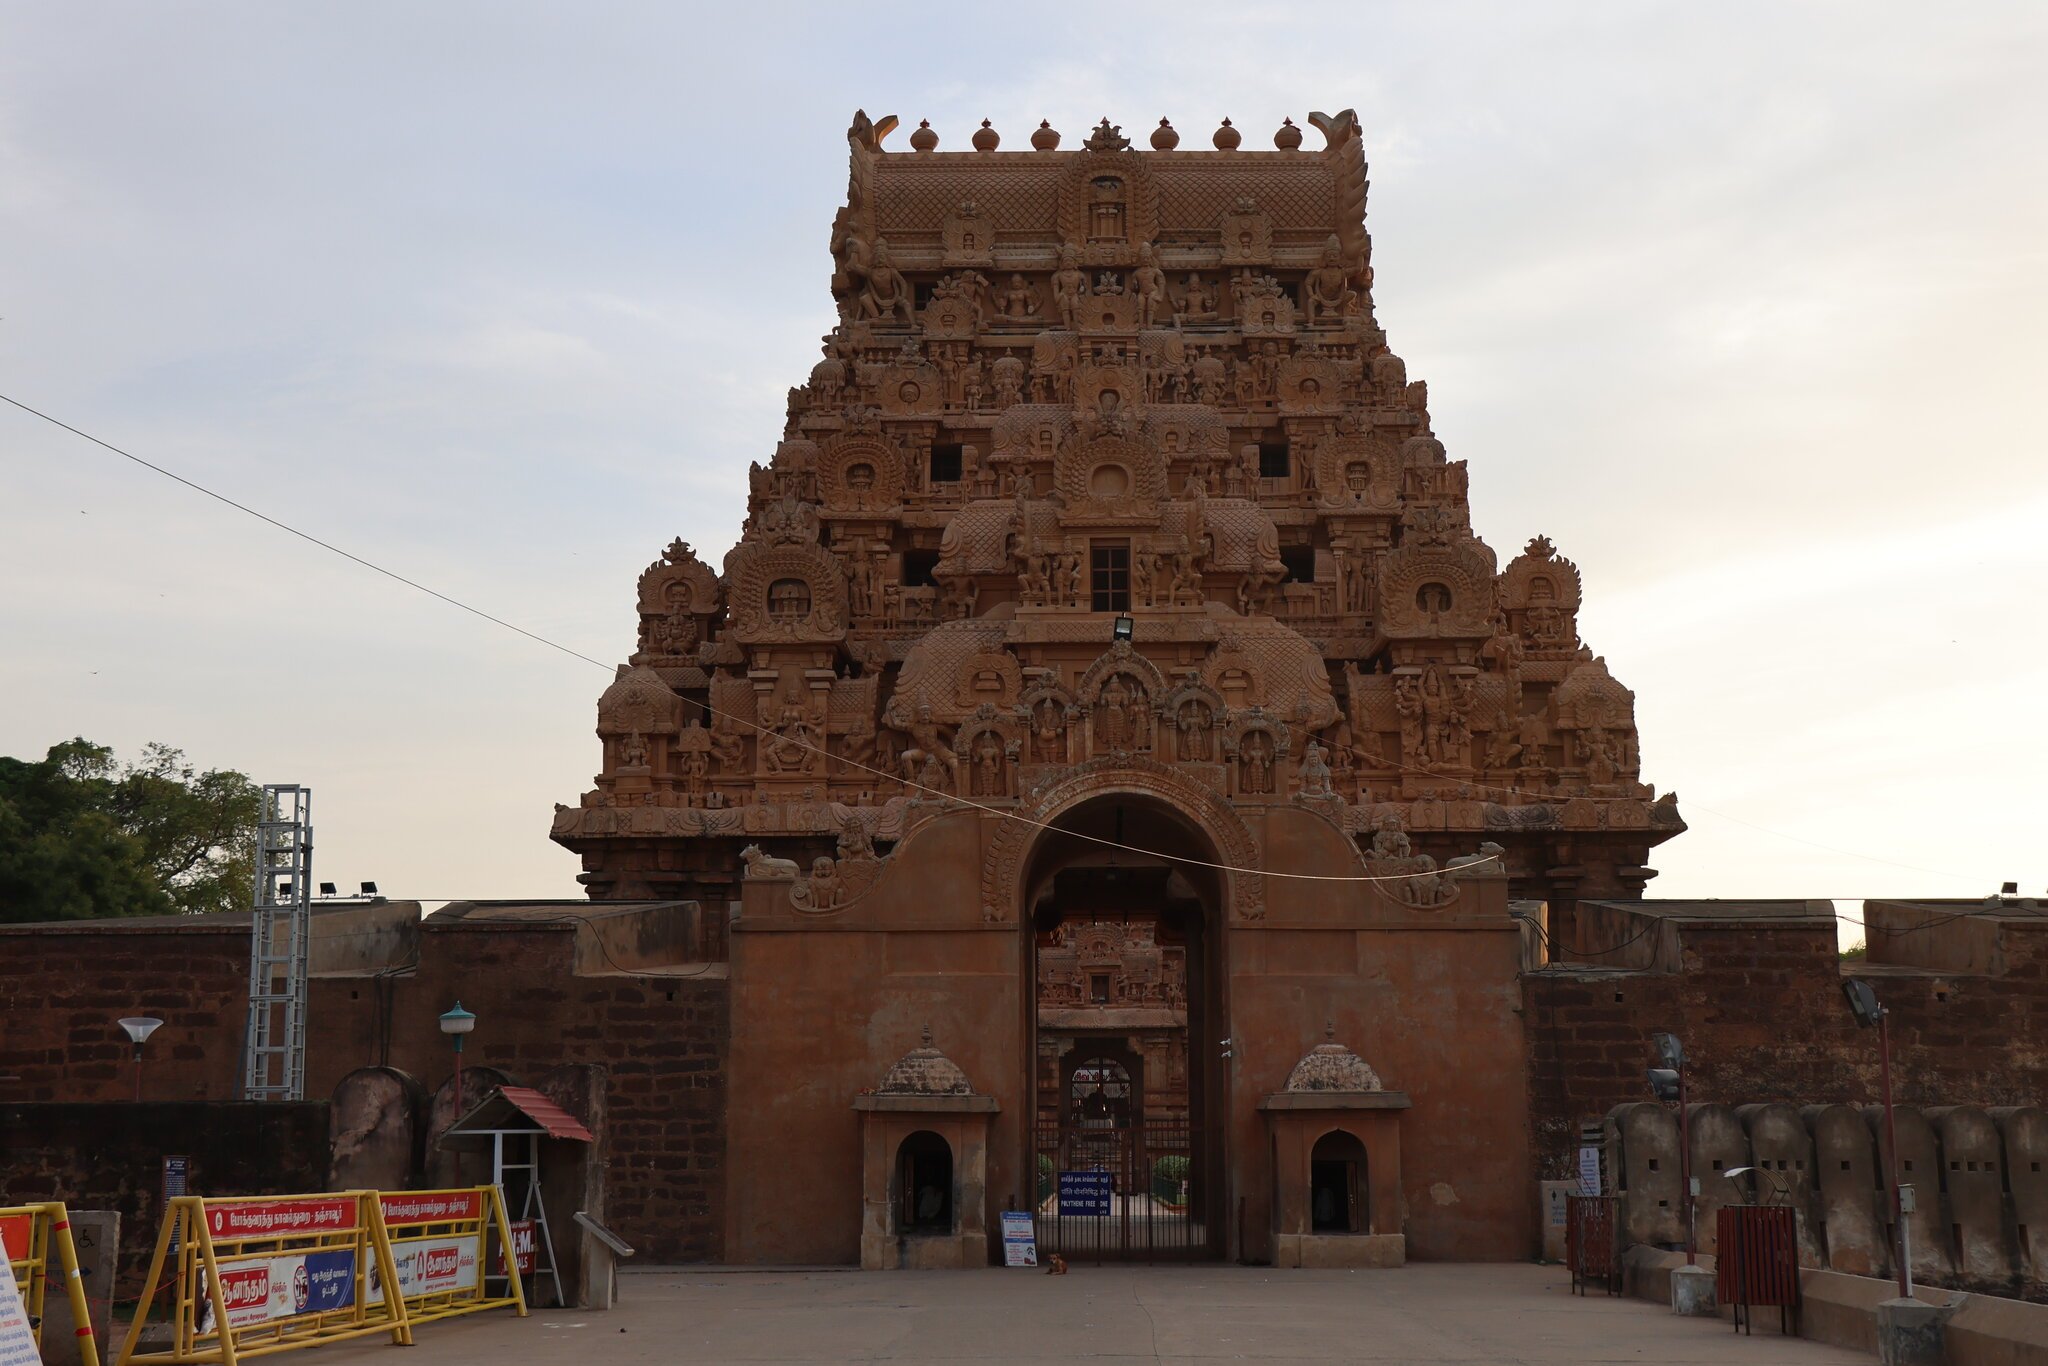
(948, 798)
(942, 796)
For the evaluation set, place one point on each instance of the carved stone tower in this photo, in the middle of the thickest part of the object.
(1071, 386)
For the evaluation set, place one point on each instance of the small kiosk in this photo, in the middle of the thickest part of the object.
(514, 1122)
(924, 1165)
(1336, 1136)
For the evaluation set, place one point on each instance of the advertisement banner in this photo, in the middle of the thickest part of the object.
(404, 1209)
(525, 1238)
(266, 1289)
(430, 1266)
(280, 1218)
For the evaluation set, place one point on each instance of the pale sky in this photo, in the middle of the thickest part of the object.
(1745, 306)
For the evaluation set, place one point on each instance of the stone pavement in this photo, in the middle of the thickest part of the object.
(1108, 1315)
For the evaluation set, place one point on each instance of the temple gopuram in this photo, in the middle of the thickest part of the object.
(1107, 631)
(1109, 796)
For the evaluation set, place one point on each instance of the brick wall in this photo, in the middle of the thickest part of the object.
(110, 1156)
(1761, 1014)
(661, 1039)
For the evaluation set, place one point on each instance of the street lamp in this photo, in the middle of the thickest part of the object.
(1667, 1083)
(1863, 1004)
(457, 1024)
(139, 1028)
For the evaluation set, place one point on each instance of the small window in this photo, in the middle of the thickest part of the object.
(917, 568)
(920, 295)
(1098, 988)
(789, 601)
(1300, 561)
(1717, 1164)
(945, 465)
(1845, 1165)
(1433, 598)
(1109, 576)
(1653, 1164)
(1273, 460)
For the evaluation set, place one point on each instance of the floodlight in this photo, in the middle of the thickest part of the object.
(327, 889)
(1123, 630)
(2008, 889)
(139, 1027)
(1663, 1083)
(1670, 1051)
(1862, 1001)
(369, 889)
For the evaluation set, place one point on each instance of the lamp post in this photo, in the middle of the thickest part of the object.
(138, 1028)
(1668, 1083)
(1863, 1003)
(457, 1024)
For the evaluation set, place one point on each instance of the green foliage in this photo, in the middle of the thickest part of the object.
(1169, 1176)
(81, 836)
(1856, 952)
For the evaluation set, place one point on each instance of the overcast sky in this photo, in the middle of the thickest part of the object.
(1745, 306)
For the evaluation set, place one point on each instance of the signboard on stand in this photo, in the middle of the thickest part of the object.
(17, 1339)
(1020, 1241)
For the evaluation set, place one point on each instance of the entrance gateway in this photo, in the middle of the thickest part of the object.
(1122, 957)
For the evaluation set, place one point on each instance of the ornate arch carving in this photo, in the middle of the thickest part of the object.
(845, 489)
(1138, 199)
(1002, 876)
(1462, 570)
(1335, 459)
(1539, 566)
(755, 568)
(1120, 658)
(679, 582)
(1073, 470)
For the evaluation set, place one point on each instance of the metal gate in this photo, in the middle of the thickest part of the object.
(1120, 1193)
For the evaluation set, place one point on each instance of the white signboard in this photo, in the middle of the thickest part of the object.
(1589, 1171)
(1020, 1243)
(17, 1342)
(428, 1266)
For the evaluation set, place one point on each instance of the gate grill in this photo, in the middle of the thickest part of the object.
(1155, 1203)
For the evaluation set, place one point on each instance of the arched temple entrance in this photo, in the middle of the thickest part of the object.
(1126, 986)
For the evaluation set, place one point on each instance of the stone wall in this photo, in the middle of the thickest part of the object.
(1756, 997)
(101, 1155)
(659, 1032)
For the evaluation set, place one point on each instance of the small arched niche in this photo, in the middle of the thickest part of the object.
(924, 1185)
(1339, 1192)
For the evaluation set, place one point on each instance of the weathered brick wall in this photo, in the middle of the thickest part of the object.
(1761, 1013)
(661, 1039)
(62, 989)
(110, 1155)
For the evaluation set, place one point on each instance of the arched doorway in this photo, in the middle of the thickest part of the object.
(1125, 916)
(1339, 1192)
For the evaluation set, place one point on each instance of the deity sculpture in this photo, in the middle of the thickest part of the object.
(887, 294)
(1148, 284)
(1326, 291)
(1069, 287)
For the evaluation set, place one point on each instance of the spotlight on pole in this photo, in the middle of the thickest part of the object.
(1869, 1013)
(327, 889)
(369, 889)
(1667, 1083)
(138, 1028)
(457, 1024)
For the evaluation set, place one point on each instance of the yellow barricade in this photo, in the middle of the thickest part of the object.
(440, 1240)
(262, 1274)
(28, 1235)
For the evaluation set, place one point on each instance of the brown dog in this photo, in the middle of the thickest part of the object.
(1056, 1265)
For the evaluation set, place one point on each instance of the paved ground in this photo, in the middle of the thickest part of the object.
(1104, 1315)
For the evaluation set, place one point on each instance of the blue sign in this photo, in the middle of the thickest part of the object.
(1084, 1193)
(330, 1283)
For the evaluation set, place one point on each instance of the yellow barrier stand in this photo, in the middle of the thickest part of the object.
(27, 1233)
(439, 1240)
(264, 1274)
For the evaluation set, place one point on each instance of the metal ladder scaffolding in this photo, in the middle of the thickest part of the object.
(274, 1046)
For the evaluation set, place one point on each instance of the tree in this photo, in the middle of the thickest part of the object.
(82, 837)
